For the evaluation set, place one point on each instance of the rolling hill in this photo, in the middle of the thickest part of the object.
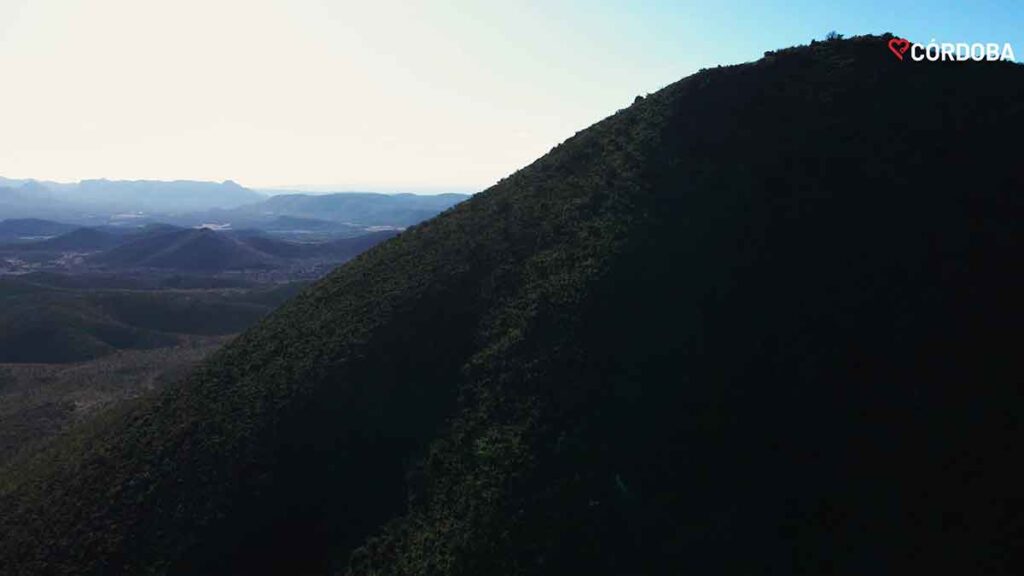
(78, 240)
(198, 250)
(208, 251)
(763, 320)
(13, 230)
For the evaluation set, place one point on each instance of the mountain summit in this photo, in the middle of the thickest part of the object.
(764, 320)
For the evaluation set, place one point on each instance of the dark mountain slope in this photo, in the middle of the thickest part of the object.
(47, 321)
(51, 329)
(760, 321)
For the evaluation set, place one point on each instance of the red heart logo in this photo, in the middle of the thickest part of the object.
(899, 47)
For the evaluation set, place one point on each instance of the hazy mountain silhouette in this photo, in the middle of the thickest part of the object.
(176, 196)
(27, 200)
(124, 195)
(368, 209)
(14, 229)
(764, 320)
(190, 203)
(10, 196)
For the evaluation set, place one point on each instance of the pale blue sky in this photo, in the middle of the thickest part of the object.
(380, 95)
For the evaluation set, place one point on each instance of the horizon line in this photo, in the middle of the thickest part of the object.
(291, 188)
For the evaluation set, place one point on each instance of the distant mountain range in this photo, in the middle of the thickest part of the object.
(227, 204)
(114, 195)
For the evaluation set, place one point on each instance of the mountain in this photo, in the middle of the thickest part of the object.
(95, 203)
(84, 199)
(186, 249)
(764, 320)
(368, 209)
(155, 196)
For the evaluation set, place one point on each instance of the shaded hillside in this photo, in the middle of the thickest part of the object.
(52, 330)
(38, 401)
(150, 195)
(761, 321)
(86, 199)
(42, 321)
